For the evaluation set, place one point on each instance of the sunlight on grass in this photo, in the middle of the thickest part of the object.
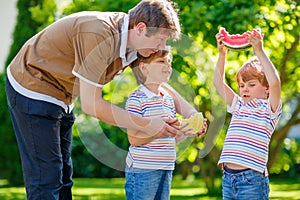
(13, 193)
(188, 192)
(290, 195)
(96, 191)
(290, 191)
(113, 189)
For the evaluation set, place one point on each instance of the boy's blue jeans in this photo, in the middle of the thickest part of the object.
(143, 184)
(247, 185)
(44, 136)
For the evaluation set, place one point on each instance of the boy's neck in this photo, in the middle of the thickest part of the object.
(153, 88)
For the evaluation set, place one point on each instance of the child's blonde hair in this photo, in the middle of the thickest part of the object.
(252, 70)
(139, 76)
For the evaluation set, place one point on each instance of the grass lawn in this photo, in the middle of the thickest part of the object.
(112, 189)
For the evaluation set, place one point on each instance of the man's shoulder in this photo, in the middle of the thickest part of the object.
(95, 21)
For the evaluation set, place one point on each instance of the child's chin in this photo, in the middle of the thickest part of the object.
(246, 100)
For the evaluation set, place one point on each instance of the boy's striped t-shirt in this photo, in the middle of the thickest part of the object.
(249, 133)
(159, 153)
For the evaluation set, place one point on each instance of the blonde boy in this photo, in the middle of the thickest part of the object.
(255, 114)
(150, 161)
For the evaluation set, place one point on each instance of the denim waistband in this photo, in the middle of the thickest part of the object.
(243, 174)
(235, 171)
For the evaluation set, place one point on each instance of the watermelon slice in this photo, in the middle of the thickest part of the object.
(235, 42)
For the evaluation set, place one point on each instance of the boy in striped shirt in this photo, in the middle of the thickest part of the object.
(150, 161)
(255, 114)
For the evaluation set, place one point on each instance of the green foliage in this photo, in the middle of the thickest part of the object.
(279, 20)
(86, 165)
(289, 163)
(100, 5)
(43, 13)
(29, 22)
(10, 167)
(25, 27)
(193, 63)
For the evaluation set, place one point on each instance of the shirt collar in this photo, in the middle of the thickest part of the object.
(127, 55)
(150, 94)
(254, 102)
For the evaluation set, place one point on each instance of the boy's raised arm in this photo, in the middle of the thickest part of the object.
(219, 81)
(256, 40)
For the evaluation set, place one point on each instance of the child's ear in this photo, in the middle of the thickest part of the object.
(268, 91)
(141, 66)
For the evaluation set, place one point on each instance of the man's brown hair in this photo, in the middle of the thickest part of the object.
(158, 15)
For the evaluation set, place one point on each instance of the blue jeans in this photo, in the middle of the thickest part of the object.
(143, 184)
(247, 185)
(44, 136)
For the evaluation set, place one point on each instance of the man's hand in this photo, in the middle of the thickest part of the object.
(170, 127)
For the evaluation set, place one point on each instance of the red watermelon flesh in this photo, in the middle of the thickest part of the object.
(235, 41)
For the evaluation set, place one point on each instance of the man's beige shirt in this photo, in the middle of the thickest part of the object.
(85, 45)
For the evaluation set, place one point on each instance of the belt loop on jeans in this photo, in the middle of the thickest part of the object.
(69, 108)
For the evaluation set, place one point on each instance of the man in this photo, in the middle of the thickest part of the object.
(76, 56)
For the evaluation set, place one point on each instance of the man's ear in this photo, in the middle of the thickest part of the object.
(141, 27)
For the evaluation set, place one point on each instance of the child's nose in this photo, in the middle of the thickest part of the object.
(246, 88)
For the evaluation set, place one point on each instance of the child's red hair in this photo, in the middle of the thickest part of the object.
(252, 70)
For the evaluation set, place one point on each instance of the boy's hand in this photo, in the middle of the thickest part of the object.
(204, 128)
(222, 48)
(189, 131)
(255, 38)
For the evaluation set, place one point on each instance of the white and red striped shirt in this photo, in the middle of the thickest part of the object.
(249, 134)
(159, 153)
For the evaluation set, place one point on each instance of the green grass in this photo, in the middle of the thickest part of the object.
(190, 189)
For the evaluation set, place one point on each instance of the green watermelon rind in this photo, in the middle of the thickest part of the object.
(237, 47)
(234, 47)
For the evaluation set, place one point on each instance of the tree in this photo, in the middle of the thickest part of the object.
(193, 63)
(279, 21)
(194, 60)
(32, 16)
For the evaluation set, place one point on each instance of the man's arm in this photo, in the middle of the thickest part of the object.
(182, 106)
(93, 104)
(138, 138)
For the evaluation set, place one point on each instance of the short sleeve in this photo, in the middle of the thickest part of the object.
(96, 55)
(134, 105)
(231, 108)
(277, 113)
